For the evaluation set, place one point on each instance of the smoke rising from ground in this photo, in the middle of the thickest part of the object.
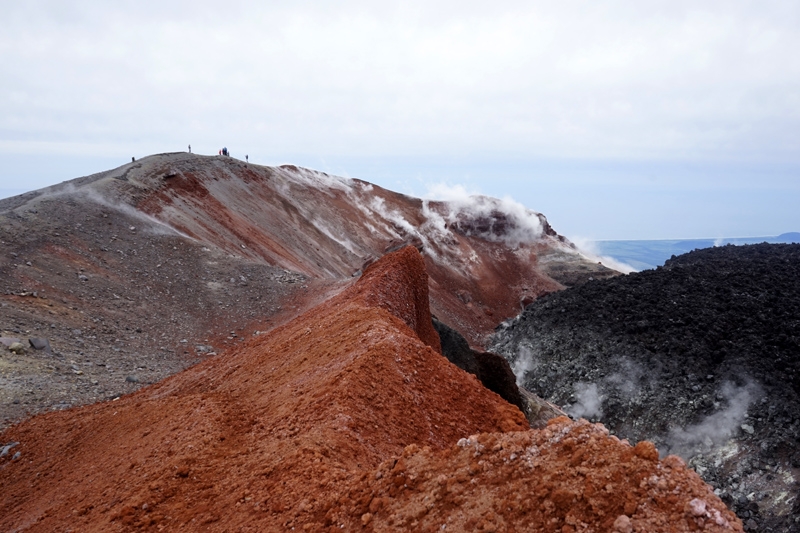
(523, 364)
(589, 401)
(589, 250)
(716, 428)
(501, 220)
(625, 383)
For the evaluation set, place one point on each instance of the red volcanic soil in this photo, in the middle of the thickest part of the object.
(568, 477)
(297, 429)
(266, 437)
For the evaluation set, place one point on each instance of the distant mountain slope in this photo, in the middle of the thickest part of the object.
(701, 356)
(485, 256)
(138, 272)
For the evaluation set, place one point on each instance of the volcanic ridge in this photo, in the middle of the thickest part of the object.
(345, 418)
(217, 346)
(136, 273)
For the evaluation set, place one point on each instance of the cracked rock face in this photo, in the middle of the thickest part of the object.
(701, 356)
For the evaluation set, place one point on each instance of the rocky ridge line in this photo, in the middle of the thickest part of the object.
(342, 419)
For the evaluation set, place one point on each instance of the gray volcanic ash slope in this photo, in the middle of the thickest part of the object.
(701, 356)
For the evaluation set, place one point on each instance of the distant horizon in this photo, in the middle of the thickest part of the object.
(703, 238)
(637, 255)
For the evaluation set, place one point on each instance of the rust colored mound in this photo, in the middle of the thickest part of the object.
(568, 477)
(265, 439)
(400, 287)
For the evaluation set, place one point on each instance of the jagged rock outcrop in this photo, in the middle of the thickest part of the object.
(298, 428)
(496, 375)
(702, 356)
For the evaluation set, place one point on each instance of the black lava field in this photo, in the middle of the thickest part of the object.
(701, 356)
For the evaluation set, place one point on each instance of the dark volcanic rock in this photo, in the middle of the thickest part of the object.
(701, 356)
(39, 343)
(491, 369)
(495, 374)
(456, 348)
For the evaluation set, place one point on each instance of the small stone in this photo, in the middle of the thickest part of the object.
(16, 456)
(623, 524)
(697, 507)
(747, 428)
(8, 341)
(7, 448)
(132, 379)
(17, 348)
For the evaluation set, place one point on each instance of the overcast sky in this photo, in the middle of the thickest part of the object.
(617, 120)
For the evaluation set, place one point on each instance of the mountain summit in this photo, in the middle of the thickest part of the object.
(138, 272)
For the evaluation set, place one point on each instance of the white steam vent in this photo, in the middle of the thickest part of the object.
(499, 220)
(715, 429)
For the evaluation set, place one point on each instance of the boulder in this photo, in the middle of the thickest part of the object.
(40, 343)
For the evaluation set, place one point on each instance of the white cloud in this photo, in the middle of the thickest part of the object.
(640, 83)
(571, 79)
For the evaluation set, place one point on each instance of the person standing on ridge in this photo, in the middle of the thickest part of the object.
(246, 158)
(190, 148)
